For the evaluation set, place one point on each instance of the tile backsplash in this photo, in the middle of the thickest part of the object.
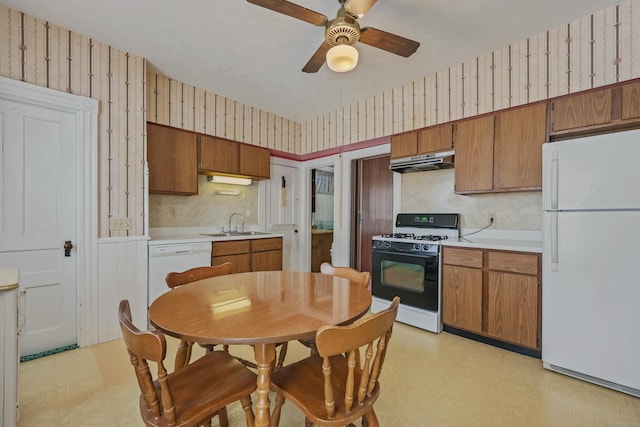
(205, 209)
(433, 192)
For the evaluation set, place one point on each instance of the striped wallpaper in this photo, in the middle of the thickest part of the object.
(597, 50)
(38, 52)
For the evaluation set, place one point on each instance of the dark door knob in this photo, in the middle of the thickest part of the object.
(67, 247)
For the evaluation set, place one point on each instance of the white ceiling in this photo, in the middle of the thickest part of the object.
(255, 56)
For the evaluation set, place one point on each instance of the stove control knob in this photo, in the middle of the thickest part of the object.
(416, 246)
(387, 244)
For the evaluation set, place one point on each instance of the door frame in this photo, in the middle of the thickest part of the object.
(86, 111)
(342, 235)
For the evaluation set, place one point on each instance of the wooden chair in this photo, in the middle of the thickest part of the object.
(175, 279)
(332, 387)
(361, 277)
(192, 395)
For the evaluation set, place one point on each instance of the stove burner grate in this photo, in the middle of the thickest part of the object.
(411, 236)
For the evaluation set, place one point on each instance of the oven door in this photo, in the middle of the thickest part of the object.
(412, 277)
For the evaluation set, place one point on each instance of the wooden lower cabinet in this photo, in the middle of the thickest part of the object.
(320, 248)
(238, 252)
(266, 254)
(491, 293)
(462, 289)
(249, 255)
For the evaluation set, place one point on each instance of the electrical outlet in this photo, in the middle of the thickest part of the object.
(173, 212)
(119, 224)
(493, 215)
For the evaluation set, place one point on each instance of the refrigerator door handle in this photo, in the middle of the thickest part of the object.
(554, 241)
(555, 163)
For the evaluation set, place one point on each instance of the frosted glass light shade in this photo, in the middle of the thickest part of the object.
(342, 58)
(229, 180)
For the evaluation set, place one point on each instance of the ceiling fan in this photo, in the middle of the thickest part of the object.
(341, 33)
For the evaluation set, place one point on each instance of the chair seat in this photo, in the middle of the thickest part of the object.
(213, 381)
(303, 384)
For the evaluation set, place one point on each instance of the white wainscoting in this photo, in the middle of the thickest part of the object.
(122, 273)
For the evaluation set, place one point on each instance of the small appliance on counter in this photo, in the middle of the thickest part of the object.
(407, 263)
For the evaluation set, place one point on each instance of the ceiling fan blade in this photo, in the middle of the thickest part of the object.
(318, 59)
(293, 10)
(387, 41)
(357, 8)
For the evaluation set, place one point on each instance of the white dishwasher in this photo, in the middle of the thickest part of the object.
(166, 258)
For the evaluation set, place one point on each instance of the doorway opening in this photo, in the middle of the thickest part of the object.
(322, 215)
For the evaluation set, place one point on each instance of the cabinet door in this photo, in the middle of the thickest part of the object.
(512, 308)
(218, 155)
(255, 161)
(462, 297)
(172, 156)
(404, 145)
(266, 260)
(631, 101)
(517, 150)
(513, 298)
(582, 110)
(434, 139)
(474, 155)
(241, 262)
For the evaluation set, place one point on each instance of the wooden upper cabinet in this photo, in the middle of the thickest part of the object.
(435, 139)
(255, 161)
(474, 155)
(581, 111)
(404, 145)
(218, 155)
(423, 141)
(233, 158)
(173, 158)
(517, 149)
(631, 101)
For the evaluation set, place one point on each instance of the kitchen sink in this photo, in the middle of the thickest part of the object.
(235, 233)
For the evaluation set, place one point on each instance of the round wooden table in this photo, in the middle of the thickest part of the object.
(260, 309)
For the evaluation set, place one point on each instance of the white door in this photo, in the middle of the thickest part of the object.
(282, 211)
(37, 215)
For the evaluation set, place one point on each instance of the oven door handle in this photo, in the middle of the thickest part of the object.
(407, 254)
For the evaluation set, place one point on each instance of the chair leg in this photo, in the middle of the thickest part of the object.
(183, 355)
(248, 411)
(275, 415)
(281, 356)
(370, 419)
(307, 422)
(222, 417)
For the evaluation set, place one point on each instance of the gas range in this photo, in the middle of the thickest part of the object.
(406, 263)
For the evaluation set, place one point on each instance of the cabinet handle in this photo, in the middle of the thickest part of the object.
(554, 241)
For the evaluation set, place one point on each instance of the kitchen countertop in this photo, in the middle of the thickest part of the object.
(504, 240)
(169, 236)
(498, 244)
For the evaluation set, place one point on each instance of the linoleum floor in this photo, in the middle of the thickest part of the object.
(428, 380)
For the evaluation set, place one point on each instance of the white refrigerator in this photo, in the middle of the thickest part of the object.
(591, 259)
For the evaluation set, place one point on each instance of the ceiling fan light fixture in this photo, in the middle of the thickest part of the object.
(342, 58)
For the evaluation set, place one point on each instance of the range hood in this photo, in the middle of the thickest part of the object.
(423, 162)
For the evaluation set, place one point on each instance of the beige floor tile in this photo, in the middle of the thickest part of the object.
(435, 380)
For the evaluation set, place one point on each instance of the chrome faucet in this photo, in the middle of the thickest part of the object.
(241, 225)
